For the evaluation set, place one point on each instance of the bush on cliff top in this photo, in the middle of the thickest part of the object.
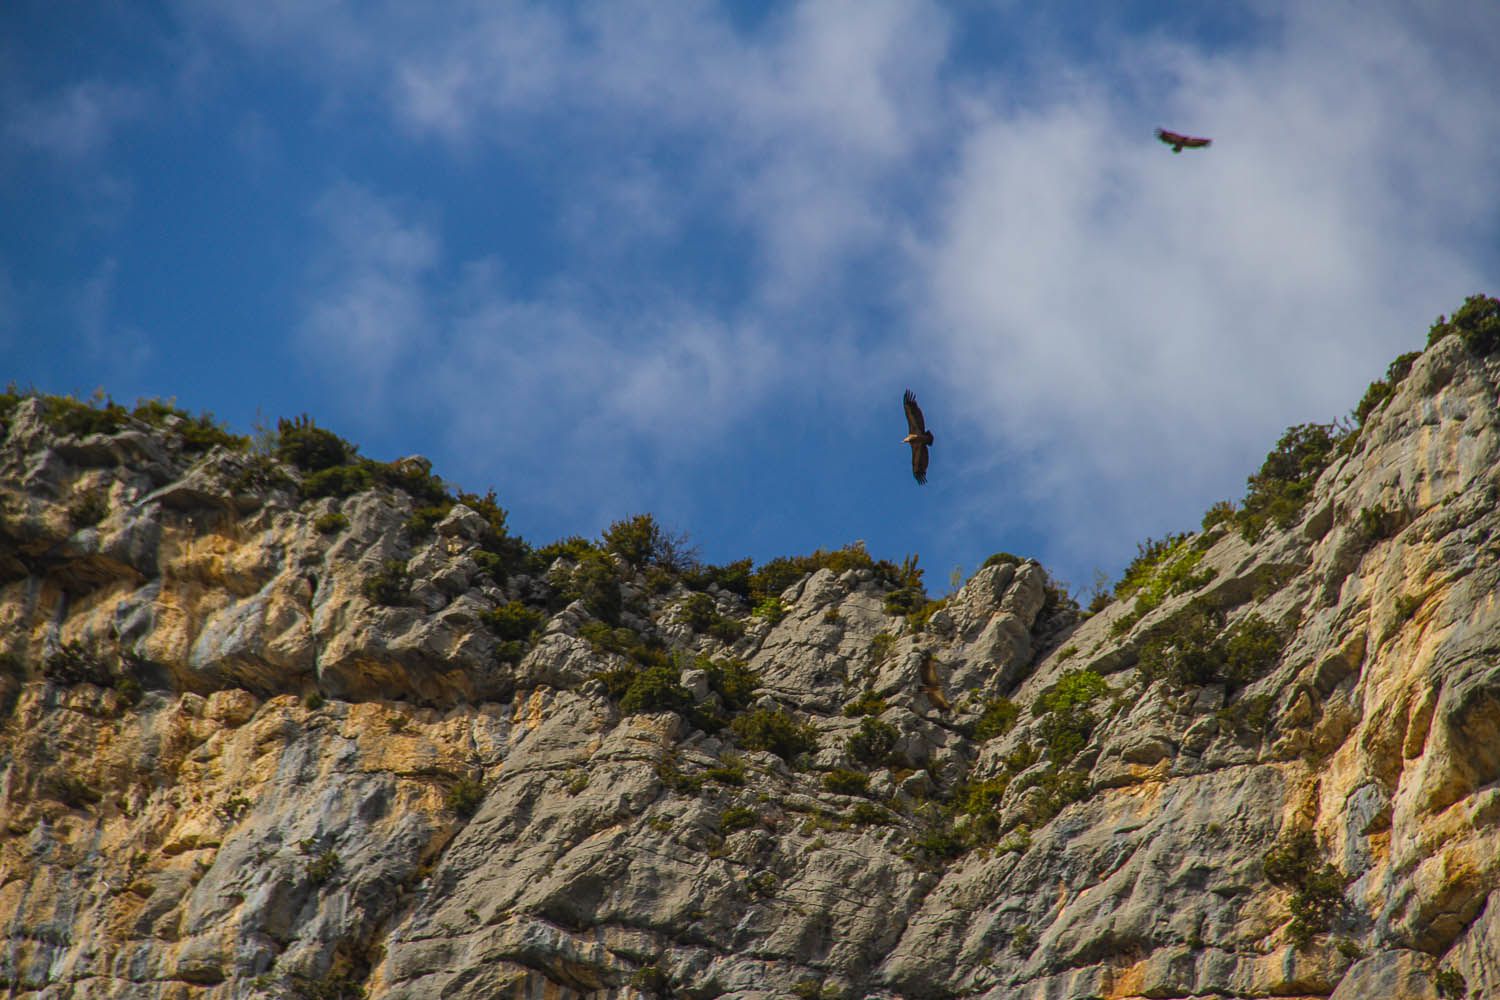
(1476, 323)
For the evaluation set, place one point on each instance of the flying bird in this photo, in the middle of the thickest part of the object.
(1181, 142)
(918, 436)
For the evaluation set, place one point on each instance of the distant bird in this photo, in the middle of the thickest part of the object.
(1180, 142)
(919, 437)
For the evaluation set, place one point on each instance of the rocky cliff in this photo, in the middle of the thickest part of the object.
(305, 727)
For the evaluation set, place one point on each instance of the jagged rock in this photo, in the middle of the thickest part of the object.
(235, 767)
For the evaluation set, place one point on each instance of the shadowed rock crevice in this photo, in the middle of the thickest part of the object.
(280, 729)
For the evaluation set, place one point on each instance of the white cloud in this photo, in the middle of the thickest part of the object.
(74, 123)
(1135, 326)
(791, 131)
(369, 308)
(564, 387)
(122, 348)
(1124, 331)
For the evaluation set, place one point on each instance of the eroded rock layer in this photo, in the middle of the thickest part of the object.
(232, 767)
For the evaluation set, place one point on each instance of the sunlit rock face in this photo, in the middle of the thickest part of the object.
(232, 768)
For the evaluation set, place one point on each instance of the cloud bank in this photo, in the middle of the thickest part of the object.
(836, 200)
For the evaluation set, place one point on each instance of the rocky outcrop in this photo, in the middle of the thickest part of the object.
(230, 770)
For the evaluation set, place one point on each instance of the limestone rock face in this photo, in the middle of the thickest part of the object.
(254, 744)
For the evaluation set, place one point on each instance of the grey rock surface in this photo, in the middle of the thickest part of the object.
(260, 744)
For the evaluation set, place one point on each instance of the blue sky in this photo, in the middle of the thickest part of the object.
(684, 257)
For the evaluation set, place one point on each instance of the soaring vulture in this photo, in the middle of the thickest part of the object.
(918, 436)
(1180, 142)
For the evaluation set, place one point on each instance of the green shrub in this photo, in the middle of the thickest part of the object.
(510, 650)
(513, 621)
(1450, 984)
(919, 618)
(674, 778)
(69, 416)
(1381, 390)
(1074, 689)
(465, 796)
(389, 586)
(595, 581)
(309, 447)
(1065, 732)
(771, 609)
(129, 690)
(414, 478)
(1406, 605)
(1161, 569)
(1317, 887)
(321, 869)
(866, 703)
(645, 652)
(1476, 323)
(737, 818)
(232, 808)
(641, 542)
(1249, 715)
(198, 433)
(1377, 523)
(9, 400)
(869, 814)
(313, 701)
(1002, 559)
(1185, 653)
(1124, 623)
(424, 519)
(1252, 647)
(880, 647)
(1192, 652)
(1148, 556)
(203, 433)
(729, 771)
(1284, 484)
(845, 781)
(1018, 842)
(775, 576)
(874, 743)
(656, 689)
(497, 566)
(572, 548)
(940, 843)
(774, 730)
(981, 799)
(74, 663)
(331, 523)
(88, 508)
(337, 481)
(699, 612)
(1219, 512)
(905, 601)
(633, 539)
(727, 631)
(734, 577)
(733, 680)
(997, 719)
(808, 989)
(651, 980)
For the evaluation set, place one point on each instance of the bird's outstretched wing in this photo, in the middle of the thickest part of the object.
(1178, 141)
(914, 422)
(917, 436)
(919, 461)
